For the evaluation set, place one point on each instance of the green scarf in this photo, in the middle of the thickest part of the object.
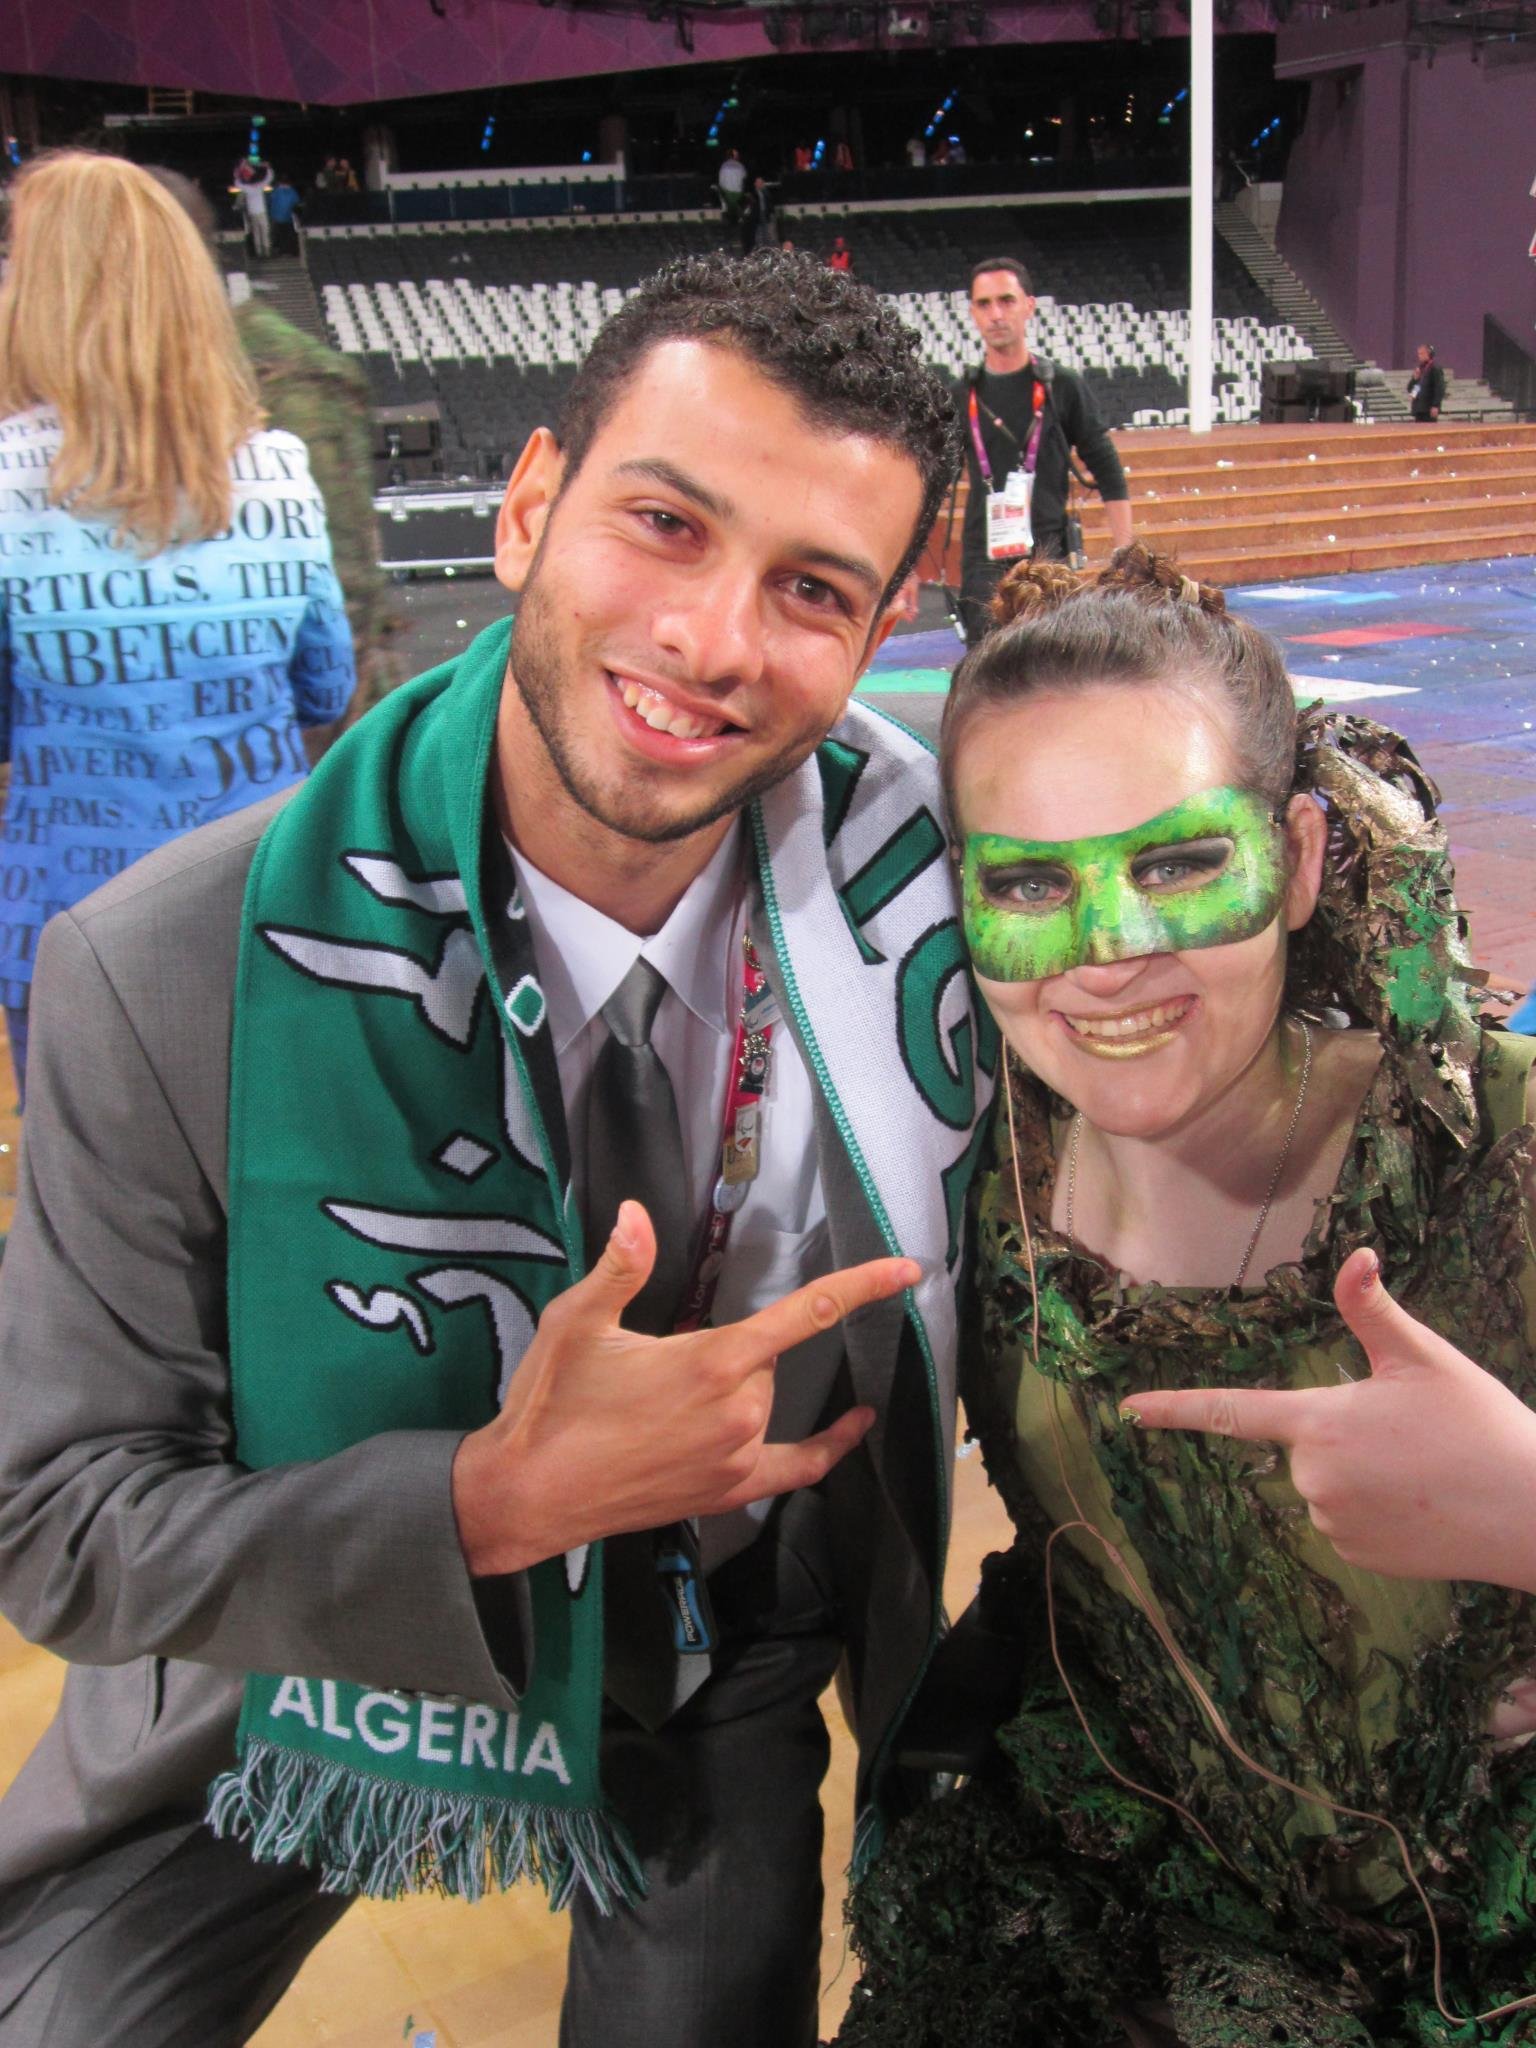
(375, 1089)
(401, 1215)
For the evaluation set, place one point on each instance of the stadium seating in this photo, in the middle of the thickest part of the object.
(492, 322)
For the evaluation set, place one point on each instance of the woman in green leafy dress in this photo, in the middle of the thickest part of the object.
(1259, 1197)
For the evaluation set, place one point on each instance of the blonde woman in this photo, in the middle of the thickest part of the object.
(169, 615)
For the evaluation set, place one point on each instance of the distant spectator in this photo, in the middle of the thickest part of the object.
(346, 177)
(956, 150)
(325, 177)
(839, 256)
(1426, 387)
(803, 158)
(917, 153)
(940, 151)
(842, 156)
(756, 218)
(786, 247)
(732, 184)
(252, 182)
(283, 210)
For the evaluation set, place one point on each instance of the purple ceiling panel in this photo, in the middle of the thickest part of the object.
(337, 52)
(172, 46)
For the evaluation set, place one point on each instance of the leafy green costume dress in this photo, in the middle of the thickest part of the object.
(1043, 1900)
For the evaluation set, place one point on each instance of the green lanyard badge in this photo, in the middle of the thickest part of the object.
(1208, 872)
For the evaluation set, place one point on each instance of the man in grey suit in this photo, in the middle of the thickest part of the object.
(746, 469)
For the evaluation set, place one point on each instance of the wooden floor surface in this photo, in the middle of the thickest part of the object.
(432, 1973)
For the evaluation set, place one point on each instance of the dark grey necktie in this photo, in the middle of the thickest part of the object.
(635, 1153)
(635, 1146)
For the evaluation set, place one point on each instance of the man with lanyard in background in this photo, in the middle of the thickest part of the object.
(1024, 418)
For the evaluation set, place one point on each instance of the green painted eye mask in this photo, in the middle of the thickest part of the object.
(1208, 872)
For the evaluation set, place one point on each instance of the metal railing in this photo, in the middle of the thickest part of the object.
(694, 192)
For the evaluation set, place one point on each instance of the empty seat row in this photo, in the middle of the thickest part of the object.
(1134, 251)
(548, 326)
(493, 324)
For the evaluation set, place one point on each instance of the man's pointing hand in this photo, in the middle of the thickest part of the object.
(1424, 1468)
(605, 1430)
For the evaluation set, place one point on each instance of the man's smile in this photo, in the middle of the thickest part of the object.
(648, 712)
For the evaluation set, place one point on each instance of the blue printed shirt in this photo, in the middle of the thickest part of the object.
(141, 696)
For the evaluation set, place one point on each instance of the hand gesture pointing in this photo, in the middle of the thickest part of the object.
(1425, 1468)
(605, 1430)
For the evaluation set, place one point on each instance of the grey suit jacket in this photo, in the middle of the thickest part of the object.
(131, 1542)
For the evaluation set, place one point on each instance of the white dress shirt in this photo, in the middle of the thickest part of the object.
(778, 1236)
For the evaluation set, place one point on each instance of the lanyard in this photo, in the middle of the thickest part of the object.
(741, 1134)
(1031, 452)
(678, 1564)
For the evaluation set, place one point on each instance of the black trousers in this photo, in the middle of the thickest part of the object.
(980, 577)
(723, 1804)
(180, 1941)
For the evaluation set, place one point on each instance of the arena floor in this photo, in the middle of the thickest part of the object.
(1448, 655)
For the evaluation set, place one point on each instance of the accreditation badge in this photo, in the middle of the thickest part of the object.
(1009, 533)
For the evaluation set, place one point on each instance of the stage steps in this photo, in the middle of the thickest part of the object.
(1463, 395)
(283, 282)
(1249, 504)
(1260, 504)
(1281, 286)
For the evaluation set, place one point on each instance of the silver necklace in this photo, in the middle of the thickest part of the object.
(1274, 1179)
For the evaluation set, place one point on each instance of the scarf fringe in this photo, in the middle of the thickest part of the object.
(387, 1841)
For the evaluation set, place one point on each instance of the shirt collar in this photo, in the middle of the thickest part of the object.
(583, 955)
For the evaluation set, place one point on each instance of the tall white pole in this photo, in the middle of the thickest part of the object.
(1202, 150)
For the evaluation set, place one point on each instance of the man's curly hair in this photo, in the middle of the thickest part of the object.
(833, 344)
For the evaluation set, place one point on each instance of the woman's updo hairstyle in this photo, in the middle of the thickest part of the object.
(1140, 621)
